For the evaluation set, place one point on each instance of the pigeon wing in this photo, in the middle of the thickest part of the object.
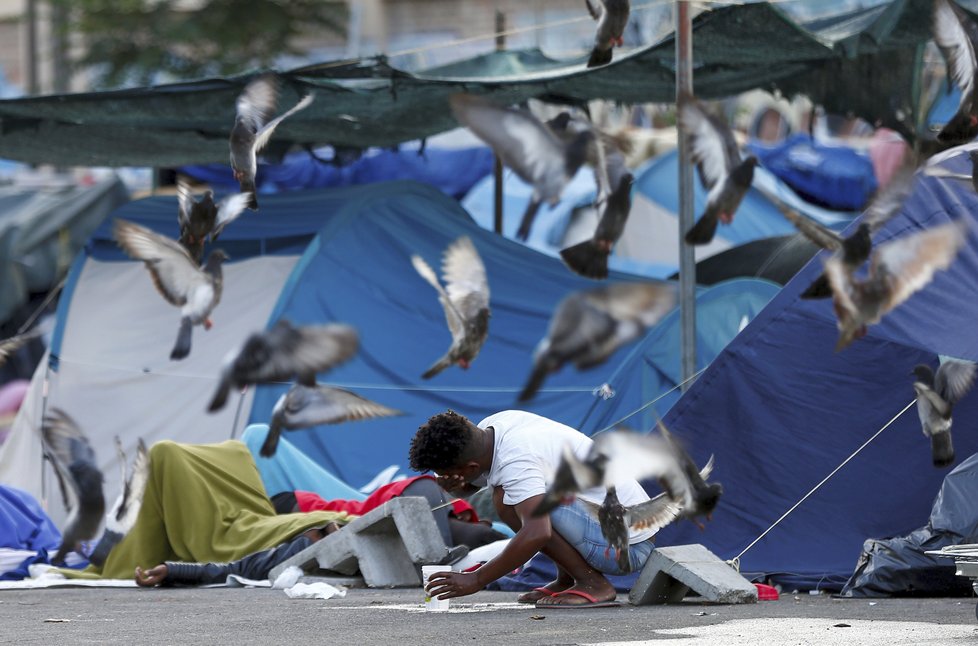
(521, 140)
(653, 514)
(66, 445)
(820, 235)
(173, 270)
(713, 146)
(956, 46)
(889, 200)
(257, 103)
(265, 133)
(647, 302)
(456, 324)
(185, 203)
(228, 211)
(633, 455)
(134, 491)
(465, 279)
(14, 343)
(910, 261)
(330, 405)
(841, 284)
(954, 379)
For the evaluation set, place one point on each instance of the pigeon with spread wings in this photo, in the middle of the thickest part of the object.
(612, 16)
(305, 406)
(854, 249)
(722, 171)
(465, 299)
(588, 326)
(182, 282)
(203, 219)
(936, 396)
(253, 127)
(955, 35)
(897, 270)
(80, 480)
(122, 516)
(527, 146)
(283, 353)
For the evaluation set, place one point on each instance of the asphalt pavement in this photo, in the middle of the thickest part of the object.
(397, 618)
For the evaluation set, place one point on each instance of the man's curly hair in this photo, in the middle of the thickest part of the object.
(444, 441)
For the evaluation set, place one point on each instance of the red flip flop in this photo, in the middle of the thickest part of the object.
(592, 601)
(544, 591)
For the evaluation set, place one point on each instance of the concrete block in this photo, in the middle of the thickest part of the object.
(387, 546)
(672, 571)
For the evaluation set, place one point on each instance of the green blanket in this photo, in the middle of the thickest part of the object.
(203, 503)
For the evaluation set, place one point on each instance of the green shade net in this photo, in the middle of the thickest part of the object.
(865, 62)
(203, 503)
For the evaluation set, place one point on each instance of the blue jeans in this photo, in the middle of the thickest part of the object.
(579, 527)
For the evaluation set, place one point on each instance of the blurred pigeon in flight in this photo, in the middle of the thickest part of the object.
(283, 353)
(722, 171)
(955, 35)
(615, 520)
(526, 145)
(588, 326)
(854, 249)
(612, 16)
(898, 269)
(124, 512)
(200, 219)
(11, 345)
(943, 173)
(253, 127)
(194, 289)
(465, 299)
(305, 406)
(936, 396)
(79, 478)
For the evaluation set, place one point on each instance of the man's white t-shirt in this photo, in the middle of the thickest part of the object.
(527, 450)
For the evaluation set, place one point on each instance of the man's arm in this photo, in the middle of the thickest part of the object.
(533, 535)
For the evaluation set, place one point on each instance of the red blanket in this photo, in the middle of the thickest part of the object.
(309, 501)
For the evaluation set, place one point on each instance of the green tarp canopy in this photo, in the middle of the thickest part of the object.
(865, 62)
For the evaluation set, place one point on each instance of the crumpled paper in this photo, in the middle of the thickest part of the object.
(288, 578)
(317, 590)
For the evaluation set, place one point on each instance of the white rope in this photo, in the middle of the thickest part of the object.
(736, 559)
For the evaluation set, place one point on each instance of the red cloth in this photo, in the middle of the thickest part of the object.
(309, 501)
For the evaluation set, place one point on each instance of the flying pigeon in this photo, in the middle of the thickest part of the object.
(304, 406)
(80, 480)
(936, 396)
(955, 35)
(253, 127)
(723, 173)
(283, 353)
(898, 269)
(588, 326)
(200, 219)
(465, 299)
(124, 512)
(615, 519)
(525, 144)
(971, 178)
(854, 249)
(11, 345)
(612, 16)
(194, 289)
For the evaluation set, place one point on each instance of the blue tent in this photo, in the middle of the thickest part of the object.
(781, 410)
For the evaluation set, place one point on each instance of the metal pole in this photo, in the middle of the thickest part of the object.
(687, 261)
(33, 84)
(497, 170)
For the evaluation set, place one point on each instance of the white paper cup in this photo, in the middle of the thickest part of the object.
(431, 603)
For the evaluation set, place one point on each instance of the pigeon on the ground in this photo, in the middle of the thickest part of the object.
(854, 249)
(588, 326)
(283, 353)
(612, 16)
(203, 219)
(194, 289)
(898, 269)
(11, 345)
(722, 171)
(305, 406)
(122, 516)
(253, 127)
(79, 478)
(936, 396)
(526, 145)
(955, 35)
(465, 299)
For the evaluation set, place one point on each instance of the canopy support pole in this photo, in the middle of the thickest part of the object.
(687, 260)
(497, 169)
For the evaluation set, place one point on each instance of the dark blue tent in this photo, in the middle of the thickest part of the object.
(781, 410)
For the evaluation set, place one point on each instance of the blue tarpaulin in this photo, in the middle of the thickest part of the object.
(780, 410)
(25, 526)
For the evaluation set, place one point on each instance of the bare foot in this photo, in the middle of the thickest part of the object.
(152, 577)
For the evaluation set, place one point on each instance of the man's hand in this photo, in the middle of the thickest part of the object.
(447, 585)
(151, 577)
(455, 485)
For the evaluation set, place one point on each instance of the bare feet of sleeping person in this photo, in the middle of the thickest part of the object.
(152, 577)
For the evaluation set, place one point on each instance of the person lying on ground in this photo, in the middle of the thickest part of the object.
(516, 453)
(457, 521)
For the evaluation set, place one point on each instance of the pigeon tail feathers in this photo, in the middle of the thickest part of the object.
(702, 232)
(942, 450)
(587, 259)
(182, 347)
(599, 56)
